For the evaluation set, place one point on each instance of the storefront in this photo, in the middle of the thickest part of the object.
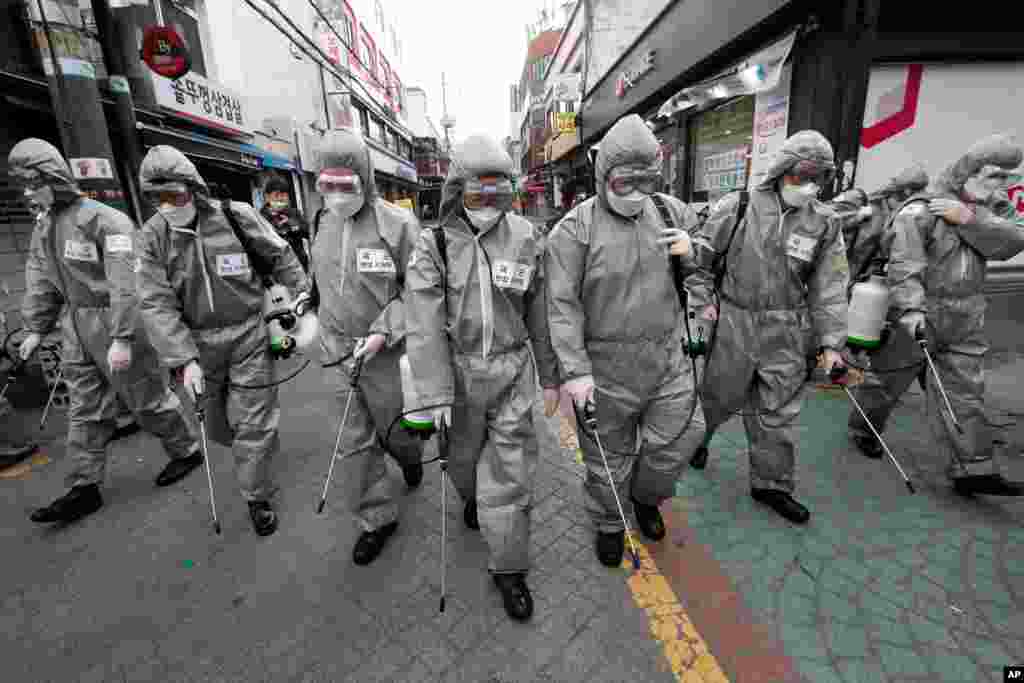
(396, 178)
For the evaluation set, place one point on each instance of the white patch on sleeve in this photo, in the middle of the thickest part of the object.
(119, 244)
(511, 275)
(800, 247)
(375, 261)
(137, 267)
(231, 265)
(412, 260)
(81, 251)
(912, 209)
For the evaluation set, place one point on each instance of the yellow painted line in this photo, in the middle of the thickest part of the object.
(688, 655)
(20, 470)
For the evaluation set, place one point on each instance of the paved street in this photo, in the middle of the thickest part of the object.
(881, 586)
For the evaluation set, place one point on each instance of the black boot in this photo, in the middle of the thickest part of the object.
(515, 594)
(264, 520)
(75, 504)
(413, 474)
(648, 518)
(783, 503)
(869, 446)
(700, 459)
(371, 543)
(178, 468)
(12, 455)
(126, 430)
(988, 485)
(469, 515)
(610, 548)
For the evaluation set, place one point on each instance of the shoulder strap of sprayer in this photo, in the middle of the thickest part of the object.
(264, 270)
(741, 212)
(314, 290)
(675, 261)
(442, 248)
(876, 254)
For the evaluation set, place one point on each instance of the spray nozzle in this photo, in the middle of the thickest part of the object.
(838, 374)
(282, 347)
(697, 347)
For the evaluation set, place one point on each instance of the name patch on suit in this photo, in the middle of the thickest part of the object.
(511, 275)
(374, 261)
(119, 244)
(81, 251)
(229, 265)
(800, 247)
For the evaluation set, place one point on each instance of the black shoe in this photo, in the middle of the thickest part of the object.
(516, 595)
(700, 459)
(988, 485)
(178, 468)
(611, 547)
(782, 503)
(75, 504)
(12, 455)
(469, 516)
(264, 520)
(648, 518)
(371, 543)
(413, 474)
(125, 431)
(869, 446)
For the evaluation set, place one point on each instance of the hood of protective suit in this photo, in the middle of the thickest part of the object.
(345, 149)
(32, 155)
(907, 182)
(807, 145)
(165, 164)
(629, 141)
(996, 150)
(477, 155)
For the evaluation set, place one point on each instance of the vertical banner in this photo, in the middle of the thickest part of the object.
(771, 125)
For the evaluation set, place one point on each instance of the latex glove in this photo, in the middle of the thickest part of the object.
(29, 345)
(832, 358)
(912, 320)
(678, 239)
(192, 380)
(119, 357)
(951, 210)
(865, 212)
(442, 415)
(550, 401)
(369, 347)
(581, 390)
(710, 312)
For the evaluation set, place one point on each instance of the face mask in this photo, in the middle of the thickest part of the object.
(982, 189)
(629, 206)
(39, 201)
(483, 218)
(178, 216)
(344, 204)
(799, 195)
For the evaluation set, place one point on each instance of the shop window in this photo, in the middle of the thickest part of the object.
(720, 140)
(362, 120)
(380, 131)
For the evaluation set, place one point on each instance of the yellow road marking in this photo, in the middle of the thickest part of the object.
(23, 468)
(688, 655)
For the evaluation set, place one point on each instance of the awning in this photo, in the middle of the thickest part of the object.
(239, 156)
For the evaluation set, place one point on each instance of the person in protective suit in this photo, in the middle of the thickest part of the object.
(784, 277)
(617, 327)
(361, 248)
(286, 220)
(864, 216)
(202, 302)
(82, 255)
(939, 245)
(475, 307)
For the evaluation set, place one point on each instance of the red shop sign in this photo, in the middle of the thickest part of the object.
(164, 51)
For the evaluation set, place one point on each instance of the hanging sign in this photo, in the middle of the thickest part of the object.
(165, 53)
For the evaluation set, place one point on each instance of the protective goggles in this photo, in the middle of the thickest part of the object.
(174, 194)
(335, 180)
(488, 193)
(624, 181)
(811, 171)
(31, 182)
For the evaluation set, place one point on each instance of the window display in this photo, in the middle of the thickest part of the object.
(721, 142)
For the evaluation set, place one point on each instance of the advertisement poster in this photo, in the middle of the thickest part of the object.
(771, 125)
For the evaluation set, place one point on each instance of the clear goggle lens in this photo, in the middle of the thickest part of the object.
(337, 180)
(480, 195)
(807, 171)
(624, 182)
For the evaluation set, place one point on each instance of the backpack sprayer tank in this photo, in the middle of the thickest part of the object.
(414, 418)
(291, 326)
(869, 304)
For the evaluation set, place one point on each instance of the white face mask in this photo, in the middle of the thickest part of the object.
(343, 204)
(484, 218)
(800, 195)
(39, 201)
(178, 216)
(629, 206)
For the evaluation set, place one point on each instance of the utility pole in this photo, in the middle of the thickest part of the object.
(75, 94)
